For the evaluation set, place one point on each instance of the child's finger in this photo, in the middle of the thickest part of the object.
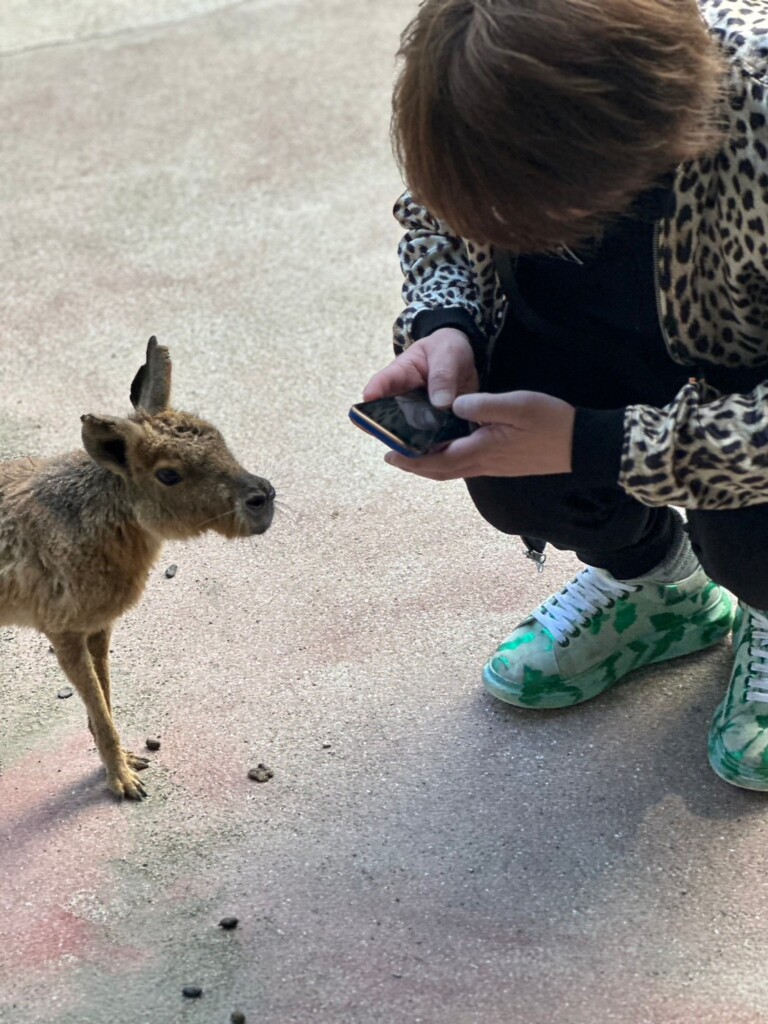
(397, 378)
(461, 458)
(482, 407)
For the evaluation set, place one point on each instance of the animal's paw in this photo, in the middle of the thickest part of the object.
(134, 761)
(126, 783)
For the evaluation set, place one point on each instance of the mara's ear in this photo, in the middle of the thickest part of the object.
(106, 439)
(151, 387)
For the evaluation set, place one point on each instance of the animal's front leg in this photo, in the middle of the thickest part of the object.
(76, 661)
(98, 647)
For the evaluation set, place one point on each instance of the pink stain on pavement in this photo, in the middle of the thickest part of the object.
(59, 829)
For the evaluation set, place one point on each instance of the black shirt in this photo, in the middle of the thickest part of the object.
(603, 295)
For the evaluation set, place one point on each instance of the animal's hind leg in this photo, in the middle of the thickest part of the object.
(76, 661)
(98, 647)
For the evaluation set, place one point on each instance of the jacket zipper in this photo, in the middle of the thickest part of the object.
(657, 283)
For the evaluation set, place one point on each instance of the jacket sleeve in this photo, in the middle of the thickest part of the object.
(698, 452)
(447, 281)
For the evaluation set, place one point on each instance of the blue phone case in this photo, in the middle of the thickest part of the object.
(382, 435)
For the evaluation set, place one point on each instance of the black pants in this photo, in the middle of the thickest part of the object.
(604, 526)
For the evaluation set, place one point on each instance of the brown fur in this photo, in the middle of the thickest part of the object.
(80, 532)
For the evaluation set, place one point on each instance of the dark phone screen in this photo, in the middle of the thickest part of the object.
(415, 421)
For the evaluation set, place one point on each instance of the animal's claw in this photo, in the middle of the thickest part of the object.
(126, 783)
(135, 792)
(134, 761)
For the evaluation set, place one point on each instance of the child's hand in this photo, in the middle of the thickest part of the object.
(442, 363)
(522, 433)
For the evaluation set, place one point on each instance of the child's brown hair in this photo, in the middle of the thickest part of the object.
(527, 123)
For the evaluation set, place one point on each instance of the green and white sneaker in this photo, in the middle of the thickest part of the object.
(597, 629)
(738, 737)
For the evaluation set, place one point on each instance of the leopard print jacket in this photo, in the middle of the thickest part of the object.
(704, 450)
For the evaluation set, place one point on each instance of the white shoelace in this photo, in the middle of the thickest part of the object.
(585, 597)
(757, 687)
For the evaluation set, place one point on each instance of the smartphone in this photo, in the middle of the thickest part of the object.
(409, 423)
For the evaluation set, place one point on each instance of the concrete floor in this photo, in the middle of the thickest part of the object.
(219, 175)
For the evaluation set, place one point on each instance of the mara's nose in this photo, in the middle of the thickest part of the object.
(261, 496)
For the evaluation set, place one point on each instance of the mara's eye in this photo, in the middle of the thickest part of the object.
(169, 477)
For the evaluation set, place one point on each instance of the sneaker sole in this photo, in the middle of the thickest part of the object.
(731, 769)
(582, 690)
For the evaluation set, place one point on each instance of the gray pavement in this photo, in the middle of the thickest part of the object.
(220, 175)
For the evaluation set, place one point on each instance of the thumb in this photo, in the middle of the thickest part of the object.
(483, 407)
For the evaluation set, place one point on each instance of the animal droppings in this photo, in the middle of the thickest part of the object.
(152, 744)
(228, 923)
(237, 1017)
(192, 991)
(260, 773)
(171, 571)
(64, 692)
